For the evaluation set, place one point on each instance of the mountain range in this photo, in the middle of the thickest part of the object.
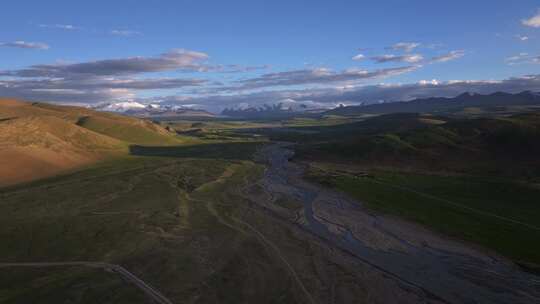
(278, 111)
(442, 104)
(152, 110)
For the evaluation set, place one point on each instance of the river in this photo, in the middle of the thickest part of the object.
(445, 269)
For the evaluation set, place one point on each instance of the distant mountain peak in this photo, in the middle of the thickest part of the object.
(466, 94)
(434, 104)
(150, 110)
(119, 106)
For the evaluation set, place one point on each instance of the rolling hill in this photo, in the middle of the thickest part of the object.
(39, 140)
(422, 142)
(130, 130)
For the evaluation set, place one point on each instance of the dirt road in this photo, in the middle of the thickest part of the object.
(152, 293)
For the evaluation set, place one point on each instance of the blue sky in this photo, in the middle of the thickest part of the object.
(216, 54)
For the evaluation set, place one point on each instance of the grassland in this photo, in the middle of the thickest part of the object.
(169, 205)
(173, 215)
(474, 179)
(65, 285)
(497, 214)
(149, 214)
(231, 125)
(152, 206)
(132, 131)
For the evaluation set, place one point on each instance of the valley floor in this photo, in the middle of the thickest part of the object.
(428, 266)
(199, 228)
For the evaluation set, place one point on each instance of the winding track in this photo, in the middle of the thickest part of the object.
(258, 235)
(150, 291)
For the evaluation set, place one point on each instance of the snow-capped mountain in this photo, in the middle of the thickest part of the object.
(151, 110)
(120, 106)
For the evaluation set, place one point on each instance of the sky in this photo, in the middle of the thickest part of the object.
(235, 54)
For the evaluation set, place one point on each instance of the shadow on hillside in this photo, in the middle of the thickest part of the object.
(233, 151)
(7, 119)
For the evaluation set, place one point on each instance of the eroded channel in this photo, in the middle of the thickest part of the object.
(445, 269)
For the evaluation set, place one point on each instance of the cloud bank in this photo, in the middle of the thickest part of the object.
(175, 60)
(67, 27)
(453, 55)
(415, 58)
(332, 97)
(523, 58)
(125, 79)
(318, 76)
(125, 33)
(404, 46)
(25, 45)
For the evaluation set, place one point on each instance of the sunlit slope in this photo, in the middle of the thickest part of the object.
(34, 147)
(39, 140)
(128, 129)
(10, 108)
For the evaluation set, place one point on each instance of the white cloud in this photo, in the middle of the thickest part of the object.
(449, 56)
(405, 46)
(359, 57)
(125, 33)
(412, 58)
(429, 82)
(237, 68)
(522, 37)
(534, 21)
(318, 76)
(109, 79)
(517, 57)
(90, 89)
(523, 58)
(67, 27)
(174, 60)
(418, 58)
(25, 45)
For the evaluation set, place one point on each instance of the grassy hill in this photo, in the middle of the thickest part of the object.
(128, 129)
(503, 146)
(39, 140)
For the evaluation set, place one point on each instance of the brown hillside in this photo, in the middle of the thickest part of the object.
(36, 147)
(39, 140)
